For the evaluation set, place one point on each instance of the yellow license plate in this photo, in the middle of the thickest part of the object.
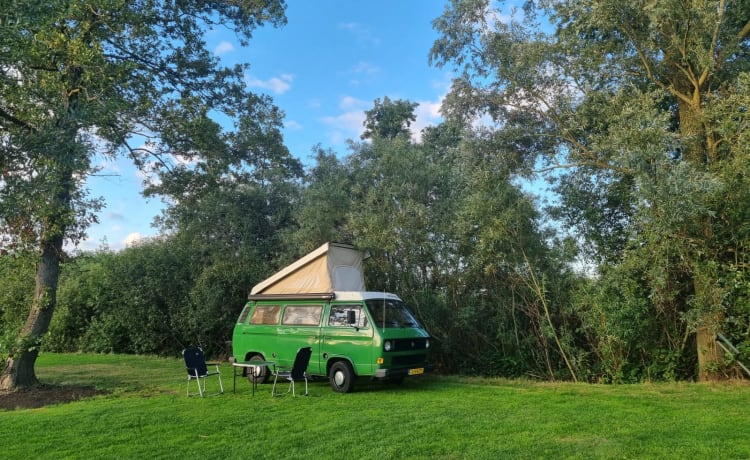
(416, 371)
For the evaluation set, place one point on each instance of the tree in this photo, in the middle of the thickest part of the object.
(109, 78)
(389, 119)
(447, 230)
(324, 206)
(622, 94)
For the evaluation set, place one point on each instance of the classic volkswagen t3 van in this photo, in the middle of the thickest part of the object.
(320, 302)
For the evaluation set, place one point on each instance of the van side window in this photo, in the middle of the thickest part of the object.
(302, 315)
(266, 314)
(340, 314)
(243, 315)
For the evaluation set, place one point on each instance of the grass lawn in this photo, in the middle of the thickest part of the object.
(147, 415)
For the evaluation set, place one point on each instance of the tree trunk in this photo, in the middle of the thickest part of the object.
(19, 367)
(696, 150)
(708, 296)
(709, 355)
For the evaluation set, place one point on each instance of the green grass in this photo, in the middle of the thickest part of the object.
(147, 415)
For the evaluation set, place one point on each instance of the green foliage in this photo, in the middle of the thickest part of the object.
(121, 302)
(632, 339)
(92, 77)
(16, 290)
(445, 229)
(639, 113)
(214, 302)
(636, 111)
(156, 297)
(389, 119)
(84, 293)
(324, 206)
(164, 294)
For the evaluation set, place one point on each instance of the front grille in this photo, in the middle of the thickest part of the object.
(410, 344)
(409, 360)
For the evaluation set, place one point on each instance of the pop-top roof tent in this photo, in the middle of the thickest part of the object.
(332, 267)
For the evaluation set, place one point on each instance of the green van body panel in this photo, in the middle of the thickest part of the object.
(299, 321)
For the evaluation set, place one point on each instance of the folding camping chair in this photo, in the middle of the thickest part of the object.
(197, 369)
(296, 373)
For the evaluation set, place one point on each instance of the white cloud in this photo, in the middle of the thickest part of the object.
(348, 124)
(147, 174)
(360, 32)
(87, 244)
(292, 125)
(352, 103)
(345, 126)
(184, 160)
(277, 85)
(428, 114)
(364, 67)
(132, 239)
(223, 47)
(106, 165)
(363, 72)
(114, 216)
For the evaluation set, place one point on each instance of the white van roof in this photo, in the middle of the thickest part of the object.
(330, 268)
(364, 295)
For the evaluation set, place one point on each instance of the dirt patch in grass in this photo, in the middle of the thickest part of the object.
(44, 396)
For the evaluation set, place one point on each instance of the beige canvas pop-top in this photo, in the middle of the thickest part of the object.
(332, 267)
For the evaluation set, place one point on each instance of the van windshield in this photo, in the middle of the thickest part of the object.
(390, 313)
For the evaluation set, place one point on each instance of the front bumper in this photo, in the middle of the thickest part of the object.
(400, 373)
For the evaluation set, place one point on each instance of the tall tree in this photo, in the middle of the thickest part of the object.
(623, 94)
(324, 206)
(107, 77)
(389, 119)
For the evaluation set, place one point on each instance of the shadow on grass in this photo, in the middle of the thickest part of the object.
(369, 385)
(45, 395)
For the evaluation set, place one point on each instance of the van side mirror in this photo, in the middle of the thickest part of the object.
(351, 317)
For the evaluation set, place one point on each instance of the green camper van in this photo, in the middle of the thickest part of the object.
(320, 302)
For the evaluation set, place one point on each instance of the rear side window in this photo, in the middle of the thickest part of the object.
(243, 315)
(302, 315)
(340, 316)
(266, 314)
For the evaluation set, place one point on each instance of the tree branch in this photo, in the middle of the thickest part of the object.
(744, 32)
(16, 121)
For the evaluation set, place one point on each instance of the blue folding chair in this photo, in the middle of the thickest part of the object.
(298, 371)
(197, 369)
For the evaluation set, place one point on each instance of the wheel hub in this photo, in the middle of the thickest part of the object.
(339, 378)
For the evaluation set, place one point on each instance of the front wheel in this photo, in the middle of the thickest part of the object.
(341, 377)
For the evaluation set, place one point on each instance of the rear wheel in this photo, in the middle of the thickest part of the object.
(341, 377)
(257, 374)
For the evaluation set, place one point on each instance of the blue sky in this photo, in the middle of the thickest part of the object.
(323, 69)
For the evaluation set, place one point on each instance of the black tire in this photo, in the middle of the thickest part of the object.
(261, 373)
(341, 376)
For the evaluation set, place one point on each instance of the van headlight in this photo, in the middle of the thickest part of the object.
(387, 345)
(427, 343)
